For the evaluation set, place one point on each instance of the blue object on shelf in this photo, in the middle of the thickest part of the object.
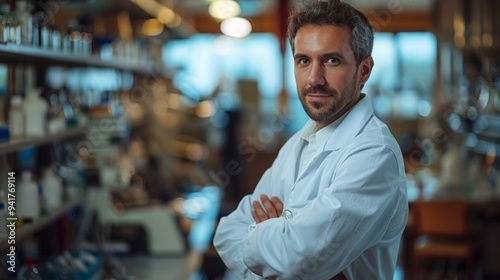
(91, 265)
(4, 133)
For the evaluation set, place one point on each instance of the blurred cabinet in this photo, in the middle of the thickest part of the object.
(468, 83)
(69, 141)
(468, 98)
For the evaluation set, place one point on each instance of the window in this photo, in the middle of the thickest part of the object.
(400, 86)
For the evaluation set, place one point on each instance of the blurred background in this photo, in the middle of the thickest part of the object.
(128, 128)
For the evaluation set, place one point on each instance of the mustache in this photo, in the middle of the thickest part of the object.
(320, 89)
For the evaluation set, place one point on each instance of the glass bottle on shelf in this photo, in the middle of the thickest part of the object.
(40, 31)
(65, 40)
(55, 116)
(76, 40)
(42, 24)
(55, 38)
(25, 22)
(44, 34)
(4, 23)
(14, 30)
(86, 38)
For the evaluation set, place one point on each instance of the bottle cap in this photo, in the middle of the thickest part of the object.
(26, 175)
(16, 100)
(33, 92)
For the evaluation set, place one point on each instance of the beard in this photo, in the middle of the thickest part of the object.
(322, 111)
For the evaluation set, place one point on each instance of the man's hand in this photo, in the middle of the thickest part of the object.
(272, 208)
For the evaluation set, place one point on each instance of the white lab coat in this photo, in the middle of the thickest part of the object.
(344, 213)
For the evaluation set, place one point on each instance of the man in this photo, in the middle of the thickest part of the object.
(333, 204)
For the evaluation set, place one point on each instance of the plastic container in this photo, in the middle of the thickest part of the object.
(52, 189)
(16, 117)
(27, 198)
(35, 112)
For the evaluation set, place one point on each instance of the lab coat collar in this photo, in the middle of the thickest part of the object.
(342, 132)
(353, 122)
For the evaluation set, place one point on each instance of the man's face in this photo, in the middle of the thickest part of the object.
(328, 80)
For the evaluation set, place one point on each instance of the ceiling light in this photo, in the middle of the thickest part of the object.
(236, 27)
(152, 27)
(205, 109)
(166, 15)
(175, 22)
(223, 9)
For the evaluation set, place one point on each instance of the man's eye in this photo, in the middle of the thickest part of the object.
(302, 61)
(332, 60)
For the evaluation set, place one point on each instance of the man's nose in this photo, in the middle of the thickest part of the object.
(316, 75)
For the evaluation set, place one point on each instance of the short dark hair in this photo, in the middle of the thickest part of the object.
(337, 13)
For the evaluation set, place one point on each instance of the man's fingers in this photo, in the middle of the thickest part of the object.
(256, 217)
(267, 208)
(261, 214)
(268, 205)
(278, 205)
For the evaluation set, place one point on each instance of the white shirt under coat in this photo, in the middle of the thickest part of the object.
(344, 210)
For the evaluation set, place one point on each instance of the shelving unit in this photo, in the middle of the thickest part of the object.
(41, 222)
(27, 54)
(33, 62)
(15, 145)
(54, 214)
(483, 140)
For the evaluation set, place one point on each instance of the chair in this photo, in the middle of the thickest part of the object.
(442, 230)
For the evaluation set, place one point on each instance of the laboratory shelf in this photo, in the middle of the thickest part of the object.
(10, 53)
(41, 222)
(15, 145)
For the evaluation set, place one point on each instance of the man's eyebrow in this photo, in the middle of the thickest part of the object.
(337, 54)
(329, 54)
(299, 55)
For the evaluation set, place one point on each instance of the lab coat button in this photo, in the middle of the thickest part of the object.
(288, 214)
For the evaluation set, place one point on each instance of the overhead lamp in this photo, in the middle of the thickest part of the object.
(152, 27)
(175, 22)
(163, 13)
(166, 15)
(205, 109)
(223, 9)
(236, 27)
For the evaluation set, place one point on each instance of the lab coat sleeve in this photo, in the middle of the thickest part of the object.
(325, 234)
(233, 229)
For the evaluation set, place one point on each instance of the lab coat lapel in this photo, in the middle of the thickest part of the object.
(295, 158)
(354, 122)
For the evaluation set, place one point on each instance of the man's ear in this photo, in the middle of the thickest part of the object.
(365, 67)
